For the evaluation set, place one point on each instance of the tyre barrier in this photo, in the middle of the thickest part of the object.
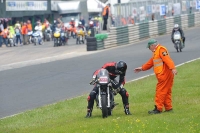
(100, 44)
(91, 44)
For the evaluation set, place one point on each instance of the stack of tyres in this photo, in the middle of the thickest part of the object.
(91, 44)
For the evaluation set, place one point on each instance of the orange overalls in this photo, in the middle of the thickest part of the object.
(163, 66)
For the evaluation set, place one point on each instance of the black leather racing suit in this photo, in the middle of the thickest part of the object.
(181, 31)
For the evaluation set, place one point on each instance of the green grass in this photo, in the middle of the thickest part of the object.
(68, 116)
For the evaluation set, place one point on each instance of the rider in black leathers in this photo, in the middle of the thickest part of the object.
(177, 28)
(115, 69)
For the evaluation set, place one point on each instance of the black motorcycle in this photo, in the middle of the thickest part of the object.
(105, 96)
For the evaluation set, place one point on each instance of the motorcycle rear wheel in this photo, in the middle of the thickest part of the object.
(55, 42)
(35, 41)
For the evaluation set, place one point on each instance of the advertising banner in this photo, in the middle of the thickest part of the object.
(26, 5)
(158, 8)
(188, 4)
(149, 9)
(170, 5)
(153, 8)
(193, 3)
(162, 10)
(183, 5)
(134, 12)
(142, 13)
(177, 8)
(197, 4)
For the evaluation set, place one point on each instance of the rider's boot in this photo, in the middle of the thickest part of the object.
(126, 110)
(89, 113)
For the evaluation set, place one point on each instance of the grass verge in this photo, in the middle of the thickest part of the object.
(68, 116)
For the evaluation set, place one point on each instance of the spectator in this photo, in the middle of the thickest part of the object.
(123, 20)
(172, 11)
(1, 30)
(11, 35)
(190, 10)
(131, 20)
(4, 35)
(29, 25)
(24, 32)
(18, 25)
(18, 35)
(82, 20)
(30, 31)
(152, 17)
(106, 13)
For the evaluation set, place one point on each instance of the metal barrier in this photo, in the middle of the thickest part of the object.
(133, 33)
(140, 11)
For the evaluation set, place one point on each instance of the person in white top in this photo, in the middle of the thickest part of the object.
(38, 28)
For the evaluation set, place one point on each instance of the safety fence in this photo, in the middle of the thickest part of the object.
(133, 33)
(139, 11)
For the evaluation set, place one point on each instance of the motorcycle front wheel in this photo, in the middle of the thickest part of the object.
(55, 42)
(35, 41)
(104, 106)
(180, 47)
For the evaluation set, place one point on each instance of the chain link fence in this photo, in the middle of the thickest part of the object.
(142, 11)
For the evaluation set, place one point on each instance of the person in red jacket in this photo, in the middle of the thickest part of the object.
(164, 70)
(115, 69)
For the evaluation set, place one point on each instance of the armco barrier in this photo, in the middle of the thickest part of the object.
(134, 33)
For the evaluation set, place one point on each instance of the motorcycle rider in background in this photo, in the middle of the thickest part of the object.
(177, 28)
(72, 28)
(38, 28)
(115, 69)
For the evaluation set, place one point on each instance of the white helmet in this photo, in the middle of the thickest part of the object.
(91, 22)
(176, 26)
(72, 19)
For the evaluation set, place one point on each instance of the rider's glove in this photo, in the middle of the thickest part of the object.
(115, 91)
(93, 80)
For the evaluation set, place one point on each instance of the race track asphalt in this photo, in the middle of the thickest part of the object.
(33, 86)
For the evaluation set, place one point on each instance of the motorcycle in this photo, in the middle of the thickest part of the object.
(11, 40)
(80, 36)
(89, 32)
(178, 42)
(105, 96)
(30, 40)
(63, 38)
(57, 40)
(37, 38)
(48, 34)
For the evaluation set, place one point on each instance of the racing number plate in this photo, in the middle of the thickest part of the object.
(103, 80)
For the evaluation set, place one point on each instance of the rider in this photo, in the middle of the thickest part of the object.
(80, 26)
(115, 69)
(38, 29)
(177, 28)
(73, 29)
